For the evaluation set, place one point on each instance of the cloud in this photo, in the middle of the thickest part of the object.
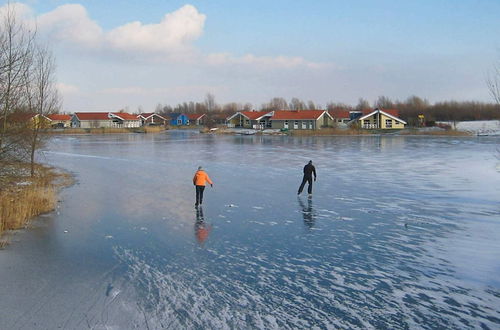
(264, 62)
(71, 23)
(170, 39)
(176, 31)
(21, 11)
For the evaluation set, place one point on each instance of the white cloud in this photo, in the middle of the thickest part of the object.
(264, 62)
(70, 23)
(170, 39)
(175, 32)
(21, 11)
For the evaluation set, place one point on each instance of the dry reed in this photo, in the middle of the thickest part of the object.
(449, 132)
(329, 131)
(23, 197)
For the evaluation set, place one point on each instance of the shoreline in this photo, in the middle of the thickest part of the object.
(39, 195)
(342, 132)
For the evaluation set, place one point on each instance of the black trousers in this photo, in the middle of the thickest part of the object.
(199, 194)
(309, 188)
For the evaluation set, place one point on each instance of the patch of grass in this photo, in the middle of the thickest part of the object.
(329, 131)
(442, 132)
(22, 197)
(154, 129)
(109, 130)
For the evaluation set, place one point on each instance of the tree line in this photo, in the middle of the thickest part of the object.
(409, 109)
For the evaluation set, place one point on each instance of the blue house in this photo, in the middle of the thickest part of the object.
(178, 119)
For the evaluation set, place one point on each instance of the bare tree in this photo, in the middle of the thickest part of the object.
(362, 104)
(210, 102)
(247, 107)
(297, 104)
(276, 103)
(312, 106)
(493, 82)
(16, 51)
(384, 102)
(42, 97)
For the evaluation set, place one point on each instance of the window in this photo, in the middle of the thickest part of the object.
(286, 124)
(388, 123)
(295, 124)
(304, 124)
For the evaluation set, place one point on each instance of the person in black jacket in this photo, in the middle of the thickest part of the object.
(309, 170)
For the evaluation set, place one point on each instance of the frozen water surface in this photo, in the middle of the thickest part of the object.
(401, 232)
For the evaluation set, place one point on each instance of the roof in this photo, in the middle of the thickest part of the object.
(57, 116)
(125, 116)
(20, 117)
(392, 112)
(254, 115)
(382, 112)
(251, 115)
(195, 116)
(339, 113)
(298, 115)
(147, 115)
(92, 115)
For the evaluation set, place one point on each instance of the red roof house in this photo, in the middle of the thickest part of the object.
(196, 118)
(300, 119)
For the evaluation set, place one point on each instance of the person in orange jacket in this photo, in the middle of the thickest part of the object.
(199, 180)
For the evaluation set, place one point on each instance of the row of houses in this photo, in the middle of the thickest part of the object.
(277, 119)
(316, 119)
(106, 119)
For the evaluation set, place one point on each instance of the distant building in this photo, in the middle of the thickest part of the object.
(250, 119)
(340, 115)
(301, 119)
(381, 119)
(196, 119)
(105, 120)
(152, 119)
(90, 120)
(59, 120)
(178, 119)
(125, 120)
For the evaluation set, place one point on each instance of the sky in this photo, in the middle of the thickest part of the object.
(113, 55)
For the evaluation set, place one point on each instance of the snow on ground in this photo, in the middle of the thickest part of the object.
(478, 127)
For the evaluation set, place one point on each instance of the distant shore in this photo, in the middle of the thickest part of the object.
(108, 130)
(340, 132)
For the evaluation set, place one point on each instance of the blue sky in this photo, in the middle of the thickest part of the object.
(117, 54)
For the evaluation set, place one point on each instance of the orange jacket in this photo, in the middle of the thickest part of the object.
(200, 177)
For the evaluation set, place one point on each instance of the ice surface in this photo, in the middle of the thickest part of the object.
(401, 232)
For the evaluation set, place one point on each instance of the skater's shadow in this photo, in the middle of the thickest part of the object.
(201, 228)
(307, 212)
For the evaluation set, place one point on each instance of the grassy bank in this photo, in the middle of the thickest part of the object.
(330, 131)
(443, 132)
(108, 130)
(22, 197)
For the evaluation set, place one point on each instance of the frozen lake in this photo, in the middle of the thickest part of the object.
(401, 232)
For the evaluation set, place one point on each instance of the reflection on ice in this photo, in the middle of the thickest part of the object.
(307, 212)
(401, 233)
(201, 228)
